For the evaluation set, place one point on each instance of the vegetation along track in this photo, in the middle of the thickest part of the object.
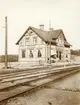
(9, 89)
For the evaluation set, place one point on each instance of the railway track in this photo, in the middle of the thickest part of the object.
(28, 72)
(15, 84)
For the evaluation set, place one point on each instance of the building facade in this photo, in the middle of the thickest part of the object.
(40, 45)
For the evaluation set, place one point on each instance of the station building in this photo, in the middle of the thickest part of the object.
(37, 44)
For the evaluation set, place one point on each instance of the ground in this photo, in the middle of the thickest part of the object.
(47, 96)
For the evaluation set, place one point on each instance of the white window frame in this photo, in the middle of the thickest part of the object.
(35, 40)
(27, 41)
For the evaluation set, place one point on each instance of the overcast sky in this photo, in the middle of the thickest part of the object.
(64, 14)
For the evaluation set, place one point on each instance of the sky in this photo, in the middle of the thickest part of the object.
(63, 14)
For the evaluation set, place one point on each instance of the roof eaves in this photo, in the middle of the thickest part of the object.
(67, 44)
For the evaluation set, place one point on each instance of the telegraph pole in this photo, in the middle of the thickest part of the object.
(50, 42)
(6, 57)
(50, 52)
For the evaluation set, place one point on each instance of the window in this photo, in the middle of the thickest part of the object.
(57, 53)
(30, 32)
(39, 53)
(27, 41)
(60, 55)
(66, 56)
(35, 40)
(60, 41)
(31, 54)
(23, 53)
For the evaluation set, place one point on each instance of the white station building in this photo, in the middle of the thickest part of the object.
(36, 45)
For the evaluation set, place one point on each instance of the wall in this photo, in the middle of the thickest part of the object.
(65, 52)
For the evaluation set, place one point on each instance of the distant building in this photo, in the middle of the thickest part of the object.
(37, 44)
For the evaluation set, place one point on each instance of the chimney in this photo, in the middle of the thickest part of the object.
(41, 27)
(51, 29)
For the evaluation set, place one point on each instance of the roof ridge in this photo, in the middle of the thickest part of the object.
(44, 30)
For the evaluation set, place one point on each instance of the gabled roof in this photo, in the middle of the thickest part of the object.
(47, 36)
